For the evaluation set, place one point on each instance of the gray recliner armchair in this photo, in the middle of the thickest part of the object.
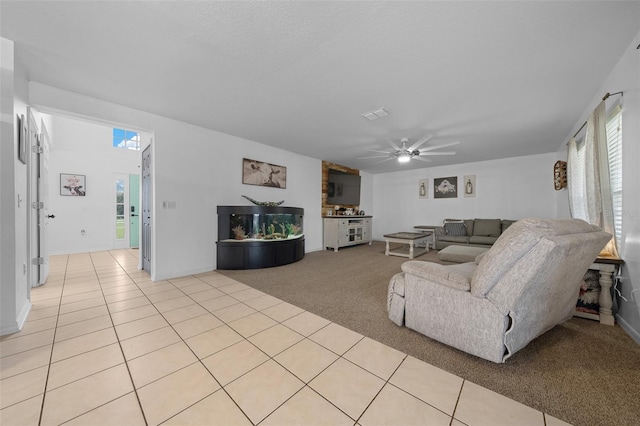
(527, 283)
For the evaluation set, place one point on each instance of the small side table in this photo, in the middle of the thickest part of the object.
(608, 267)
(431, 239)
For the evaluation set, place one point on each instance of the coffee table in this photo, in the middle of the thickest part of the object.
(409, 241)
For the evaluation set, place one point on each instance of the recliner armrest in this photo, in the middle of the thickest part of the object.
(437, 273)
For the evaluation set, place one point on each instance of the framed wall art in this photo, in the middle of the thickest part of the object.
(445, 187)
(263, 174)
(423, 188)
(74, 185)
(469, 183)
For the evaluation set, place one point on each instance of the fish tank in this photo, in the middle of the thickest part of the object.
(259, 236)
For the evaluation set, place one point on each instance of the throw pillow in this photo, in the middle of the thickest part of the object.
(455, 229)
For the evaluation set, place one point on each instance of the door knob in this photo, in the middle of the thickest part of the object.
(51, 216)
(134, 215)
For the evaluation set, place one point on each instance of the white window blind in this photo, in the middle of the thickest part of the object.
(614, 148)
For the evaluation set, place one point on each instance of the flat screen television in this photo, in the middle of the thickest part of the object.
(343, 188)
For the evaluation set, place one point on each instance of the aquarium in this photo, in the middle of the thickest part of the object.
(259, 236)
(259, 223)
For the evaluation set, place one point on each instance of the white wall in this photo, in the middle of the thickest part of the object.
(512, 188)
(85, 148)
(625, 77)
(198, 169)
(14, 303)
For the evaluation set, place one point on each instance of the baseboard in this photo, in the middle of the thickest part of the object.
(15, 326)
(629, 329)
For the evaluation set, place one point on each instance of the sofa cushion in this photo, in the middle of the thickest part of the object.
(456, 229)
(460, 254)
(507, 223)
(482, 240)
(487, 227)
(454, 239)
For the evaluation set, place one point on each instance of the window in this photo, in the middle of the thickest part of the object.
(126, 139)
(614, 147)
(579, 190)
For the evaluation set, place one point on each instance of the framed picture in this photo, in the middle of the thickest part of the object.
(469, 183)
(445, 187)
(75, 185)
(263, 174)
(22, 139)
(423, 188)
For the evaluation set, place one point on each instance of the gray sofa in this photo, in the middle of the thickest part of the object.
(524, 285)
(479, 232)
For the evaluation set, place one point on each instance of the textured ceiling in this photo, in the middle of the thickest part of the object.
(503, 78)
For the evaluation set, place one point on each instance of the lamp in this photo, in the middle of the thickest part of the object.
(404, 157)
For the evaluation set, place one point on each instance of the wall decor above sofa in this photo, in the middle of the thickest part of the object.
(469, 183)
(445, 187)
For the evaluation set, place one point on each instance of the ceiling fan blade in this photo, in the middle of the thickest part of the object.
(393, 145)
(420, 142)
(382, 152)
(375, 156)
(442, 145)
(386, 159)
(439, 153)
(426, 160)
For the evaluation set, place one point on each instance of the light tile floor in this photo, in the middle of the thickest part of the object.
(104, 344)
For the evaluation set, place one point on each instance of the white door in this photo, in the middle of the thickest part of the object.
(43, 197)
(38, 166)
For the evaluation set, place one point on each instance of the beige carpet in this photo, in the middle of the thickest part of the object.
(581, 372)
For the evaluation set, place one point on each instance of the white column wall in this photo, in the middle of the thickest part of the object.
(14, 288)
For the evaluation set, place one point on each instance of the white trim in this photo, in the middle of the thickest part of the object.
(16, 326)
(628, 328)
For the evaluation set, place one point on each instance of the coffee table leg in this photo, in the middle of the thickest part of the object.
(410, 249)
(386, 250)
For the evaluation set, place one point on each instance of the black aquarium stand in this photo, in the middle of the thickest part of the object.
(260, 248)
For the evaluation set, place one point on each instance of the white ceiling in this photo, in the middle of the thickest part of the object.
(503, 78)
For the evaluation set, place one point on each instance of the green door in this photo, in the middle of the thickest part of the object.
(134, 211)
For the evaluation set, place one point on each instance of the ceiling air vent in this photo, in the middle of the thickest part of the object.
(374, 115)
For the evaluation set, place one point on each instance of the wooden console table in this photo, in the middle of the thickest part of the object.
(608, 267)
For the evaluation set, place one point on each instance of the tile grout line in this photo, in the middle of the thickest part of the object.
(53, 343)
(124, 358)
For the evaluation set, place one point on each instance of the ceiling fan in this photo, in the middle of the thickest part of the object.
(404, 154)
